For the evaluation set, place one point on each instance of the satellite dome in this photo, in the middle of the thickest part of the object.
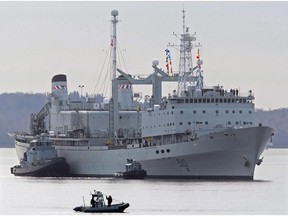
(155, 62)
(114, 12)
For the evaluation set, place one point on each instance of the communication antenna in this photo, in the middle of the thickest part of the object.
(186, 74)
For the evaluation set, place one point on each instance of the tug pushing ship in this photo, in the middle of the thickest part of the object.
(194, 132)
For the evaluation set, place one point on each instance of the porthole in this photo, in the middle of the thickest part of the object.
(168, 150)
(162, 151)
(157, 151)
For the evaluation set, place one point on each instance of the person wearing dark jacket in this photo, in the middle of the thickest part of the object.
(109, 199)
(93, 202)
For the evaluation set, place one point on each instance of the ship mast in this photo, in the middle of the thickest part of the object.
(114, 22)
(113, 107)
(185, 64)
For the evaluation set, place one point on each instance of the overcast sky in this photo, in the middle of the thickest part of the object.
(245, 44)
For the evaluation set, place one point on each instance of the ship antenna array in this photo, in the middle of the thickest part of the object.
(186, 70)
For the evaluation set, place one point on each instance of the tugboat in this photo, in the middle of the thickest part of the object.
(99, 205)
(134, 170)
(40, 160)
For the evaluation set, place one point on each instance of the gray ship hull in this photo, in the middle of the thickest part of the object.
(227, 154)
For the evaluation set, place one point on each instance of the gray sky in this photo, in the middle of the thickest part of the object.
(244, 44)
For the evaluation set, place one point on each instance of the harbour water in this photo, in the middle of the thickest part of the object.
(267, 194)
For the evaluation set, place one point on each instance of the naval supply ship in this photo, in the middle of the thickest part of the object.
(194, 132)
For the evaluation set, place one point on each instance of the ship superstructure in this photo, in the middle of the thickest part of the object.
(197, 131)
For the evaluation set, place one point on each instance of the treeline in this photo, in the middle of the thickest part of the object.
(277, 119)
(15, 110)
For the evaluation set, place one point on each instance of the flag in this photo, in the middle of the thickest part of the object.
(168, 62)
(198, 54)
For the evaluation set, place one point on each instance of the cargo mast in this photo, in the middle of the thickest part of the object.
(113, 106)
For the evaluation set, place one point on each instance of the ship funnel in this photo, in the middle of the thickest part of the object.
(125, 96)
(59, 87)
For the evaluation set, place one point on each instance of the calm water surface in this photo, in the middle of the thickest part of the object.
(267, 194)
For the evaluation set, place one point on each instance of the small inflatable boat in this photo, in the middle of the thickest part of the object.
(113, 208)
(99, 205)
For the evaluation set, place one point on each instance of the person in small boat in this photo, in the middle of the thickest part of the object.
(93, 202)
(109, 199)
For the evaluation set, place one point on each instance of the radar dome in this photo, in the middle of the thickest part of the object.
(114, 12)
(155, 62)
